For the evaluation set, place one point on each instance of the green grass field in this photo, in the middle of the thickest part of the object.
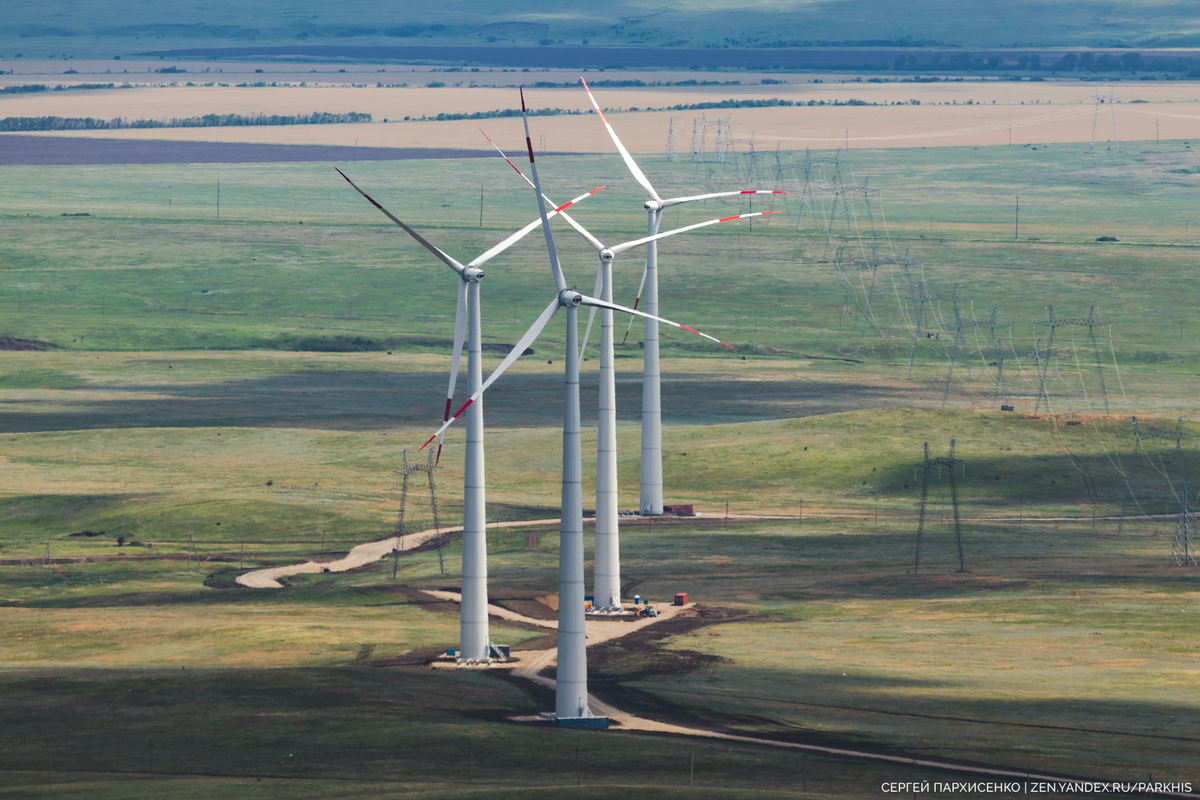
(197, 392)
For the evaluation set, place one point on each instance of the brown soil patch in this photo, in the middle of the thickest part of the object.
(424, 601)
(421, 657)
(37, 560)
(221, 583)
(535, 608)
(548, 641)
(642, 650)
(9, 343)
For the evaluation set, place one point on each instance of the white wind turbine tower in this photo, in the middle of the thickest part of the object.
(571, 693)
(607, 571)
(474, 642)
(651, 494)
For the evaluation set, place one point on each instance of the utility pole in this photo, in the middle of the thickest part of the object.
(1017, 221)
(481, 204)
(218, 199)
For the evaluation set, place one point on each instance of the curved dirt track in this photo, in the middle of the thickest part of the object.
(360, 555)
(530, 664)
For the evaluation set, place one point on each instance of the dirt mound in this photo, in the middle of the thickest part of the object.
(9, 343)
(221, 583)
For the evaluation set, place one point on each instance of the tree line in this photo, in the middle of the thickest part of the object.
(25, 124)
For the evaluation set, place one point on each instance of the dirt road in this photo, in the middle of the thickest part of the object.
(362, 554)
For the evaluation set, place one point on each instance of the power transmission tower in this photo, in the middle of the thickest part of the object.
(874, 263)
(699, 132)
(1183, 552)
(1129, 473)
(1091, 323)
(430, 469)
(778, 184)
(919, 298)
(959, 341)
(806, 190)
(1182, 548)
(672, 153)
(1000, 350)
(926, 466)
(1112, 104)
(724, 129)
(959, 338)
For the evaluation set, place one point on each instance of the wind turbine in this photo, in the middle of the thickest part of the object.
(474, 643)
(607, 571)
(571, 692)
(651, 494)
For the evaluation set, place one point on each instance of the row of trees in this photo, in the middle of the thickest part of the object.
(1071, 62)
(25, 124)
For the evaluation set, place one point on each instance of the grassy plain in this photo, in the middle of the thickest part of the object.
(153, 255)
(188, 395)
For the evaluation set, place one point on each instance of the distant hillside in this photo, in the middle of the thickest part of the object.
(78, 29)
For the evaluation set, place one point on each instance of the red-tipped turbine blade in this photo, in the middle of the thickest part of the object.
(560, 282)
(514, 354)
(621, 248)
(592, 301)
(634, 169)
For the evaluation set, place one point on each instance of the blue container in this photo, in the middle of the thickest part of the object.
(450, 651)
(593, 723)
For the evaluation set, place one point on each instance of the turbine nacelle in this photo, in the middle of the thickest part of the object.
(472, 274)
(568, 298)
(653, 205)
(607, 254)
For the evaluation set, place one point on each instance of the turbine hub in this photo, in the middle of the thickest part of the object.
(472, 275)
(653, 205)
(607, 254)
(569, 298)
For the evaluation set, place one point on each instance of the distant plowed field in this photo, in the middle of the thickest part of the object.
(887, 115)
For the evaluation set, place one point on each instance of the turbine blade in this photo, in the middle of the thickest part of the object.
(519, 235)
(560, 282)
(592, 240)
(629, 162)
(674, 201)
(641, 286)
(621, 248)
(518, 349)
(592, 301)
(450, 262)
(460, 327)
(592, 316)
